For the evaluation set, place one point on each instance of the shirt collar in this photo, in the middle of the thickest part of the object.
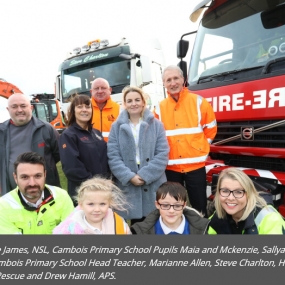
(35, 205)
(167, 230)
(140, 120)
(96, 230)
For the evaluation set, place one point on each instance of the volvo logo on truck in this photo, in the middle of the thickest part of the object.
(247, 133)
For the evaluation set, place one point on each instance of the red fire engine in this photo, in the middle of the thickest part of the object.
(238, 65)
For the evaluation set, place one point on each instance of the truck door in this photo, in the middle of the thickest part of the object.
(40, 111)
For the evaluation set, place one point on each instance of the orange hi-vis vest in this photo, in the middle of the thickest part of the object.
(190, 125)
(103, 119)
(120, 228)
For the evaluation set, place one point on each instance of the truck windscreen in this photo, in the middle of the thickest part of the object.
(239, 40)
(78, 79)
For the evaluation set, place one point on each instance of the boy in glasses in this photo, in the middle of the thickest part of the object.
(171, 215)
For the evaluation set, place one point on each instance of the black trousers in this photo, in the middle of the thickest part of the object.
(195, 184)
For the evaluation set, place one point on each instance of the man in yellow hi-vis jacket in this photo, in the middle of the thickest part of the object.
(32, 207)
(190, 125)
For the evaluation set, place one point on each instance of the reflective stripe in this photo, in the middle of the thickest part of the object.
(209, 141)
(199, 102)
(11, 201)
(105, 134)
(262, 214)
(186, 131)
(211, 125)
(187, 160)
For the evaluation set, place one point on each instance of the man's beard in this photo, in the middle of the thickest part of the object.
(35, 194)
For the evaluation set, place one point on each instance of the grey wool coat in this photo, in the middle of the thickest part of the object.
(153, 151)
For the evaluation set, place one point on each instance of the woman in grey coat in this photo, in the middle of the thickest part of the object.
(137, 154)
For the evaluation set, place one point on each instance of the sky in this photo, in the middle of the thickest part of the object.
(36, 35)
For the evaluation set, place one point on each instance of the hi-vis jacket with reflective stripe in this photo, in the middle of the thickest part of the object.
(15, 219)
(103, 119)
(190, 126)
(267, 221)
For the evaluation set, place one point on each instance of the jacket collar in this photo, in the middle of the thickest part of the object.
(222, 226)
(196, 222)
(108, 105)
(37, 123)
(182, 94)
(75, 125)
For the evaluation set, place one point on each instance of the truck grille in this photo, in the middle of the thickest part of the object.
(272, 138)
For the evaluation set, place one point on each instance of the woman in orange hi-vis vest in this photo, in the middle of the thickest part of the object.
(190, 125)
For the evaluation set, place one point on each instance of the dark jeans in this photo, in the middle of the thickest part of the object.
(196, 186)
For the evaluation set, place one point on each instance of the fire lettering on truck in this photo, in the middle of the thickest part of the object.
(260, 100)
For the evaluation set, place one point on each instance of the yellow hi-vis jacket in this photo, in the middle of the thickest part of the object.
(15, 219)
(267, 221)
(103, 119)
(190, 125)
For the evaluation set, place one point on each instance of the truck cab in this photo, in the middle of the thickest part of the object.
(238, 65)
(48, 109)
(121, 62)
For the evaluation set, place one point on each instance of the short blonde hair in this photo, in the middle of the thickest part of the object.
(253, 197)
(97, 184)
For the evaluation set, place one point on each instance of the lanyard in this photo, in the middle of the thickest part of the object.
(45, 201)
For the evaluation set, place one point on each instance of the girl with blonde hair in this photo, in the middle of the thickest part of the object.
(98, 199)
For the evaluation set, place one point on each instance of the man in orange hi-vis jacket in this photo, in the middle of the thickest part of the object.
(190, 125)
(105, 110)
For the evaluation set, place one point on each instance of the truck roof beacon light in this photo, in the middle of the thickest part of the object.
(95, 45)
(85, 48)
(104, 43)
(76, 50)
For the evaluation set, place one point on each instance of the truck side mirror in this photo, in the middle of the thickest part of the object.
(273, 18)
(182, 48)
(183, 66)
(146, 69)
(57, 88)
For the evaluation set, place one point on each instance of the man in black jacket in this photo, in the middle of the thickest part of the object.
(23, 133)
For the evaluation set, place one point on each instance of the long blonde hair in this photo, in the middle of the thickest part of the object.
(253, 197)
(115, 196)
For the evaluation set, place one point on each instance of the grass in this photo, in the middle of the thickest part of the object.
(62, 177)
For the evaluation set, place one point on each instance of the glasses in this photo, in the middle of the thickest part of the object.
(236, 193)
(176, 207)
